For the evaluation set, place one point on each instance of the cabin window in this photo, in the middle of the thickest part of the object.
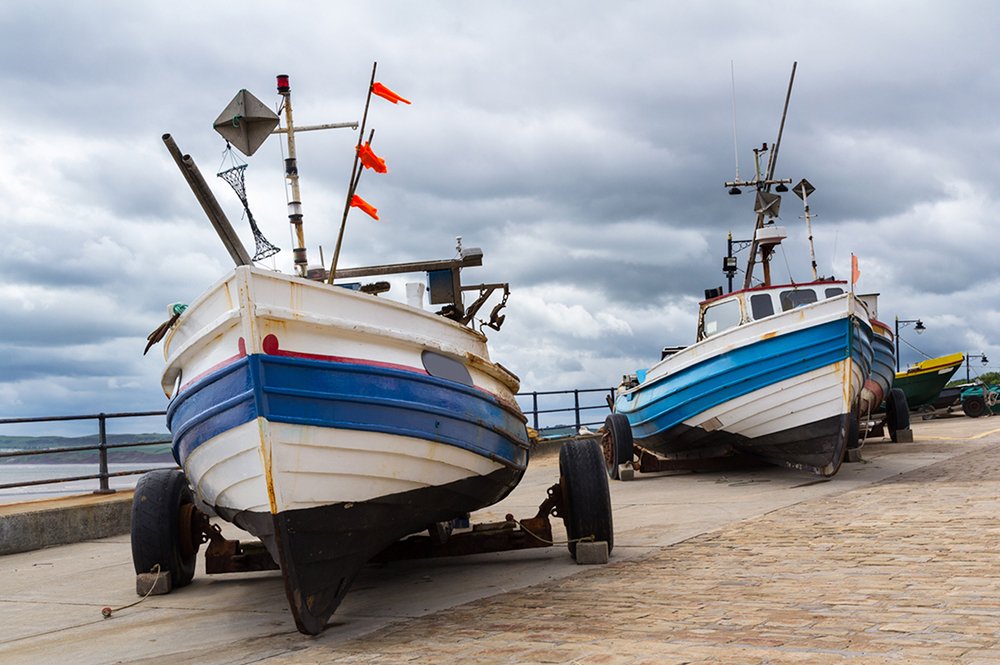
(761, 305)
(835, 291)
(721, 317)
(796, 298)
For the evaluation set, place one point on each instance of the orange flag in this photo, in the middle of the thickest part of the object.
(367, 208)
(370, 160)
(855, 271)
(386, 93)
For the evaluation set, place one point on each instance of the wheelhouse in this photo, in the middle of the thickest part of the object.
(741, 307)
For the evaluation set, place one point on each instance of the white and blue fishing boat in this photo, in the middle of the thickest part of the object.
(331, 423)
(326, 420)
(775, 373)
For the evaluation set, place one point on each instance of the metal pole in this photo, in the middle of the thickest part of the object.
(729, 255)
(897, 343)
(292, 175)
(576, 409)
(313, 128)
(209, 204)
(773, 161)
(103, 452)
(967, 379)
(534, 407)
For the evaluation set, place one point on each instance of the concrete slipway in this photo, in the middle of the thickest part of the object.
(895, 560)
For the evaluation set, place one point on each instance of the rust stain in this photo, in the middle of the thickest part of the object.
(847, 371)
(265, 458)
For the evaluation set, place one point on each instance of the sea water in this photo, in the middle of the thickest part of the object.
(16, 473)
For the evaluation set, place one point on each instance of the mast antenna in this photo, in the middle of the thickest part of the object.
(736, 144)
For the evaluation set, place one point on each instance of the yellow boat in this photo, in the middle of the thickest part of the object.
(923, 381)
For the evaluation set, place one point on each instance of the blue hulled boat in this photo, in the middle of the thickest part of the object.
(776, 371)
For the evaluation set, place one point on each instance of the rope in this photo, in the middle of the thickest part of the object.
(914, 348)
(864, 437)
(584, 539)
(107, 611)
(788, 268)
(229, 157)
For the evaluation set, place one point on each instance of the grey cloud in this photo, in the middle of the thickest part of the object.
(583, 147)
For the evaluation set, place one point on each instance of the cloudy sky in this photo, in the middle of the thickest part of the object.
(583, 145)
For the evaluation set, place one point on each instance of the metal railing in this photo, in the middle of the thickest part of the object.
(102, 447)
(577, 409)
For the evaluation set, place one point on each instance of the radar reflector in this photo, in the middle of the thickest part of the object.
(767, 203)
(246, 122)
(803, 189)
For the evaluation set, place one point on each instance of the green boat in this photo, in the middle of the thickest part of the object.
(924, 381)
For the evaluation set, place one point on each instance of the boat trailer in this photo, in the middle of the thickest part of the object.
(581, 499)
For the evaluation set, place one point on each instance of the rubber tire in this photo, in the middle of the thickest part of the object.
(586, 499)
(974, 406)
(156, 508)
(616, 443)
(897, 412)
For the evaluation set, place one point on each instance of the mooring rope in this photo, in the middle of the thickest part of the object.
(585, 539)
(107, 611)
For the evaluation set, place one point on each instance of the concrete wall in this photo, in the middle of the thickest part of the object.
(36, 524)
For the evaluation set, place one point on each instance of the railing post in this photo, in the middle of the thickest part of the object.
(534, 409)
(576, 409)
(103, 452)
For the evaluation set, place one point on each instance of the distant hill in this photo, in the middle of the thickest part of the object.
(158, 449)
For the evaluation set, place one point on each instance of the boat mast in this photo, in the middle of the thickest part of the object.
(247, 122)
(766, 202)
(292, 176)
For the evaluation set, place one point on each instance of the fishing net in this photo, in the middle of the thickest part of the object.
(235, 178)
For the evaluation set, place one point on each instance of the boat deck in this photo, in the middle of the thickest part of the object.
(896, 559)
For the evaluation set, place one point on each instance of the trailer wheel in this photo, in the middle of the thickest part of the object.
(974, 406)
(897, 413)
(586, 500)
(162, 509)
(616, 441)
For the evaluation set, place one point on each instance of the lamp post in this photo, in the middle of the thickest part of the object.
(919, 327)
(981, 356)
(729, 260)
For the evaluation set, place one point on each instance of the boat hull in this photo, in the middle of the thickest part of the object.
(923, 382)
(782, 389)
(880, 379)
(328, 437)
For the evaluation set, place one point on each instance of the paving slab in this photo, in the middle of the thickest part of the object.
(896, 559)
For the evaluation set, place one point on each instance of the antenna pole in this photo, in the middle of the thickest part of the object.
(292, 175)
(353, 184)
(736, 145)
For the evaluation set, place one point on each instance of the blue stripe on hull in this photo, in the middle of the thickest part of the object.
(667, 402)
(883, 362)
(862, 351)
(349, 396)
